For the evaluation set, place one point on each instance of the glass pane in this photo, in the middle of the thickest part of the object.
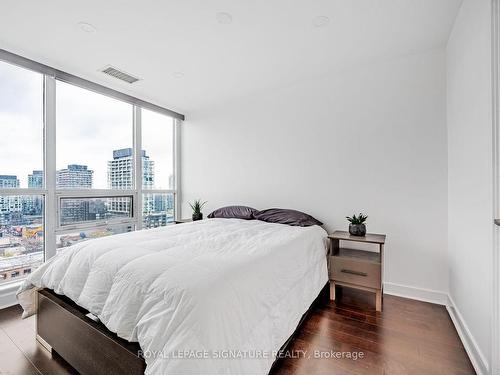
(21, 235)
(21, 124)
(158, 150)
(84, 210)
(92, 131)
(158, 210)
(69, 239)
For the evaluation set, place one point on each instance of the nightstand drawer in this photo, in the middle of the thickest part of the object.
(355, 272)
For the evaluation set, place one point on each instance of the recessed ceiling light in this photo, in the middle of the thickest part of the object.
(224, 18)
(320, 21)
(87, 27)
(177, 74)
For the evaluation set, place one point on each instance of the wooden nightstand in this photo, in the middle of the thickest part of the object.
(354, 268)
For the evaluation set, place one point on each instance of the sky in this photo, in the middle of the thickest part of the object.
(89, 127)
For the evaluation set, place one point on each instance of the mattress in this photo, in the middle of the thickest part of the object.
(218, 296)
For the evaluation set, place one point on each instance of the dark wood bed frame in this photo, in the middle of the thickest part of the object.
(89, 347)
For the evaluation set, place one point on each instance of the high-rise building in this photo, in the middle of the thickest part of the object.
(8, 181)
(33, 205)
(75, 177)
(121, 169)
(35, 180)
(170, 202)
(120, 176)
(10, 205)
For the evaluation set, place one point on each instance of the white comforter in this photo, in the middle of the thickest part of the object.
(217, 296)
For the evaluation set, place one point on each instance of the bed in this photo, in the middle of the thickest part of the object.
(218, 296)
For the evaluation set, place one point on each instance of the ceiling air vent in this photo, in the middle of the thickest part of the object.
(119, 74)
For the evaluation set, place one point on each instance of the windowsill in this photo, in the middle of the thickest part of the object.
(8, 293)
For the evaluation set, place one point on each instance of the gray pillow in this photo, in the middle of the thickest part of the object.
(234, 212)
(284, 216)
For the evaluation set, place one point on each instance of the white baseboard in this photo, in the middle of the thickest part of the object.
(420, 294)
(476, 356)
(8, 294)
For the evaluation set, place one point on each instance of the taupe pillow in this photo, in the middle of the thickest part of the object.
(285, 216)
(233, 212)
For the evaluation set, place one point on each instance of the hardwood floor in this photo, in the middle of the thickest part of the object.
(407, 337)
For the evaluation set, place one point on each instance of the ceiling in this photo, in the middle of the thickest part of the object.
(269, 43)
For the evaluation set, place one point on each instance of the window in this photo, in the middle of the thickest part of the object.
(84, 210)
(100, 165)
(21, 232)
(94, 134)
(21, 171)
(158, 210)
(96, 153)
(158, 182)
(21, 121)
(96, 183)
(158, 157)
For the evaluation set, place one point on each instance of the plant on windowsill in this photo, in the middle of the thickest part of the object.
(357, 225)
(197, 205)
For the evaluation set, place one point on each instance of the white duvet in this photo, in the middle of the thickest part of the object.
(217, 296)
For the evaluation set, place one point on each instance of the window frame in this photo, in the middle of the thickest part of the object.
(79, 194)
(51, 195)
(136, 193)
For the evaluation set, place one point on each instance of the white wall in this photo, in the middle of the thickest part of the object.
(470, 178)
(370, 139)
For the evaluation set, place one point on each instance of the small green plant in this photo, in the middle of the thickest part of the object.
(356, 220)
(197, 205)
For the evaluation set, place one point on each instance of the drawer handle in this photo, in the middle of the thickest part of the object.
(357, 273)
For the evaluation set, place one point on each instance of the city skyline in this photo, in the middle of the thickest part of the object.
(79, 176)
(35, 178)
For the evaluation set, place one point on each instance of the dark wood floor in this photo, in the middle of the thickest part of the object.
(408, 337)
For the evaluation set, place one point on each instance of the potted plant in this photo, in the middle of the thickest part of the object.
(356, 224)
(197, 205)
